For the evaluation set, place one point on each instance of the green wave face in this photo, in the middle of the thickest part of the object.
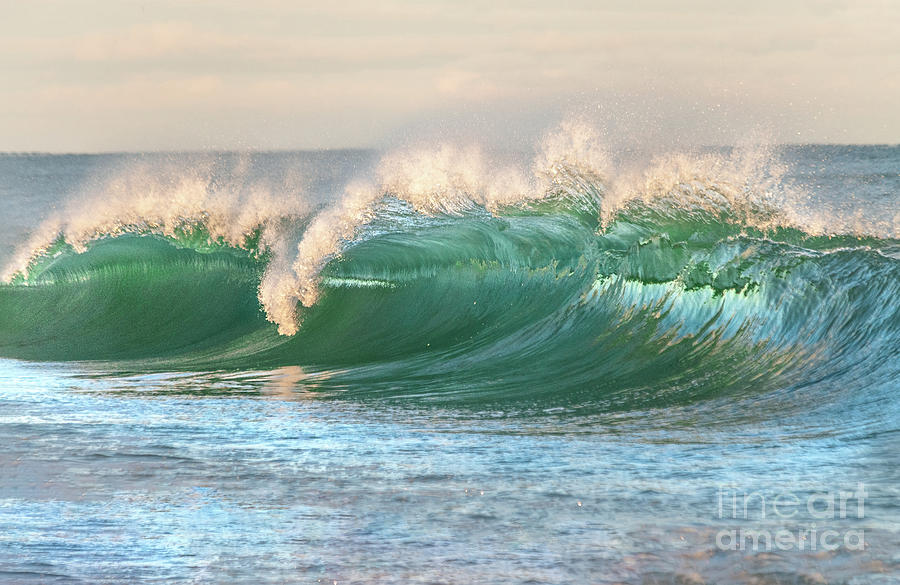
(661, 306)
(129, 297)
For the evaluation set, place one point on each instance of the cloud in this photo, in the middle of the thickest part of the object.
(397, 60)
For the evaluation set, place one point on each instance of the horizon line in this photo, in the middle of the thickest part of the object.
(356, 149)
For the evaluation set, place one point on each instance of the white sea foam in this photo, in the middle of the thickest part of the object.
(445, 179)
(747, 183)
(145, 198)
(449, 179)
(282, 287)
(572, 145)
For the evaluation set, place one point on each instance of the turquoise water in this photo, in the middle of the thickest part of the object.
(216, 371)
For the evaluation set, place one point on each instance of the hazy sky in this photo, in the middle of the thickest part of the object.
(91, 75)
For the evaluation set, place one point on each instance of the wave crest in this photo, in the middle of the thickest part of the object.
(298, 235)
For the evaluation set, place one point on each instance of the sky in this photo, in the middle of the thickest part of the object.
(92, 76)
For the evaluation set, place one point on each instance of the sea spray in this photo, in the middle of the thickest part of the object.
(560, 278)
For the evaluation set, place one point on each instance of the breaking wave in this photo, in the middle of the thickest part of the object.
(452, 271)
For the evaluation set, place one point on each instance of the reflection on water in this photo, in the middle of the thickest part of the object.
(272, 477)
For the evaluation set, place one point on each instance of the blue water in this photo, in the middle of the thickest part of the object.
(538, 439)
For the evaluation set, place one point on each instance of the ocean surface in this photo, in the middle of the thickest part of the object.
(441, 364)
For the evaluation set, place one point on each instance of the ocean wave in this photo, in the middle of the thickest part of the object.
(692, 276)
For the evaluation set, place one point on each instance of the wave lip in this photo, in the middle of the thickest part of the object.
(530, 304)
